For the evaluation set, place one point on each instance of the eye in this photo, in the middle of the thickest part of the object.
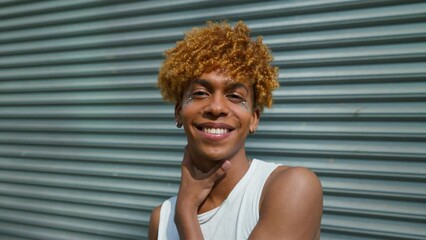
(199, 94)
(235, 98)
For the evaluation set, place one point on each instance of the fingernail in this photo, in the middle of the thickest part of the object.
(226, 165)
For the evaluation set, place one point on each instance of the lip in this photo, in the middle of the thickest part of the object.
(214, 137)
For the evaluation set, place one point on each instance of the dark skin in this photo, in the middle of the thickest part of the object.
(291, 200)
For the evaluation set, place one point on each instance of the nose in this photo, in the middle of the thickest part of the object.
(217, 106)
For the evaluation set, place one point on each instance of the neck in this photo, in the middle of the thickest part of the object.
(224, 186)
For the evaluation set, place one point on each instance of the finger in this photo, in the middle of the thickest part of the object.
(219, 171)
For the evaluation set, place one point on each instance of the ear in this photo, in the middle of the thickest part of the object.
(255, 117)
(178, 108)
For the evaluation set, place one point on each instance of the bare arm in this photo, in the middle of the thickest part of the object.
(291, 206)
(153, 223)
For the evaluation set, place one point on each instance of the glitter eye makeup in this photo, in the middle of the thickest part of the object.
(188, 100)
(244, 105)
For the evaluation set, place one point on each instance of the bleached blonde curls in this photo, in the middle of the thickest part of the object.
(218, 46)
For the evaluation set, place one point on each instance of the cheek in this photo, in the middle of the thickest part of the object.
(187, 111)
(241, 112)
(244, 105)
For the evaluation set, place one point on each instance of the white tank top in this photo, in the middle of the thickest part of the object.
(235, 218)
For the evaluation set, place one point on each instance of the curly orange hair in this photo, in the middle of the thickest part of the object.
(218, 46)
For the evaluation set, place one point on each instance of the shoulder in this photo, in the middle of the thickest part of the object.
(293, 177)
(292, 183)
(154, 223)
(292, 196)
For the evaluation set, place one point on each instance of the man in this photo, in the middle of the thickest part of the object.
(220, 81)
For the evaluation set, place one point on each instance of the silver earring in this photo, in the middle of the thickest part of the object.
(178, 124)
(252, 131)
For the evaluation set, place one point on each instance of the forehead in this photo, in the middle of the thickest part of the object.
(228, 84)
(214, 79)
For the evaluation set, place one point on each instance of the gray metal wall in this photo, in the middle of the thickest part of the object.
(88, 148)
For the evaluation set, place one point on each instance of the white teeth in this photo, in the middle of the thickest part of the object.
(217, 131)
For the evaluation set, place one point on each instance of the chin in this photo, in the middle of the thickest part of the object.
(213, 156)
(216, 153)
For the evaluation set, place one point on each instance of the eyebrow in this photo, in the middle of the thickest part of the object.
(236, 85)
(229, 84)
(202, 82)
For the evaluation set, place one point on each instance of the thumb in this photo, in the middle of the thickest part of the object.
(219, 171)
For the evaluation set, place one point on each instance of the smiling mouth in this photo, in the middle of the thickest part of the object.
(214, 131)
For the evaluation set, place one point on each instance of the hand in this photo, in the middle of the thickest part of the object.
(194, 188)
(195, 185)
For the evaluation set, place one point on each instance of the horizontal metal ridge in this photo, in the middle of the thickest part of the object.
(358, 36)
(356, 92)
(80, 97)
(377, 207)
(344, 98)
(379, 227)
(117, 126)
(154, 36)
(375, 194)
(135, 81)
(70, 223)
(340, 19)
(340, 79)
(374, 214)
(31, 231)
(369, 168)
(358, 112)
(409, 52)
(373, 174)
(99, 111)
(108, 184)
(136, 202)
(91, 140)
(306, 152)
(21, 10)
(392, 14)
(158, 7)
(368, 71)
(59, 208)
(87, 168)
(39, 14)
(86, 56)
(326, 135)
(172, 157)
(115, 68)
(366, 234)
(335, 38)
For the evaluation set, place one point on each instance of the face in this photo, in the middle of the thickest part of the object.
(217, 114)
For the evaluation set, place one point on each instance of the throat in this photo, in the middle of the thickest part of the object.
(224, 186)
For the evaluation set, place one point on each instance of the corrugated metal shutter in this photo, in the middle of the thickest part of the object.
(88, 148)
